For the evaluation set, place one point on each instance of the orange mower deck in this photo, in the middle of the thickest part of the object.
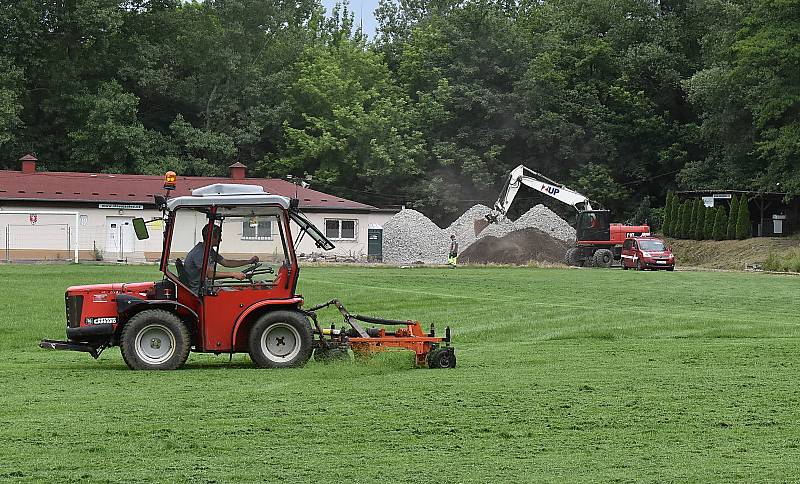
(429, 349)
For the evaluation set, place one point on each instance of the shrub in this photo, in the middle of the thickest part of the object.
(743, 226)
(788, 263)
(676, 216)
(720, 224)
(730, 231)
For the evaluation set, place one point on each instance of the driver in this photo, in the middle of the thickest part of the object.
(194, 260)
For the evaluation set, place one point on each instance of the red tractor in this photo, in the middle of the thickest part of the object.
(196, 307)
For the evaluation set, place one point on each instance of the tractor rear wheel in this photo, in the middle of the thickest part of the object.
(603, 258)
(155, 339)
(441, 358)
(281, 339)
(572, 257)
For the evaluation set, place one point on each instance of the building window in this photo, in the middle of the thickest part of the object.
(253, 229)
(341, 229)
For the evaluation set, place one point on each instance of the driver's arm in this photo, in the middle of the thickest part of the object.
(236, 262)
(224, 275)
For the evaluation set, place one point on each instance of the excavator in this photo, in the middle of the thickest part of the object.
(598, 243)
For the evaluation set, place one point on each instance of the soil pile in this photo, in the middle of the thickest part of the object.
(517, 247)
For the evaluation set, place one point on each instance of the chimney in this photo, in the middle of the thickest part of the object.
(28, 164)
(237, 171)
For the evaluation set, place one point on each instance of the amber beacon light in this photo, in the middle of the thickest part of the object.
(169, 180)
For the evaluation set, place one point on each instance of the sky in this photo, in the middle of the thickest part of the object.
(364, 10)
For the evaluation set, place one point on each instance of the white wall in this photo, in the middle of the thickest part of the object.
(53, 236)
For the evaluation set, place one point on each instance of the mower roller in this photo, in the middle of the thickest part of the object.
(429, 349)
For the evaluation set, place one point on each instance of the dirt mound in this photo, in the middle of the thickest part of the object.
(518, 247)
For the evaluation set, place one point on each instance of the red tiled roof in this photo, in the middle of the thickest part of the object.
(104, 187)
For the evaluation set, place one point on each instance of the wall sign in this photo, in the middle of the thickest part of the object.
(121, 206)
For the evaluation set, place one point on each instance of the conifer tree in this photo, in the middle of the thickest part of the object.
(730, 231)
(676, 216)
(700, 221)
(686, 222)
(744, 228)
(708, 230)
(721, 224)
(665, 226)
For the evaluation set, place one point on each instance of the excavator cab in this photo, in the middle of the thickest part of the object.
(593, 225)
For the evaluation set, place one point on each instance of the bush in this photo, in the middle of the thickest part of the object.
(744, 228)
(731, 230)
(788, 263)
(656, 220)
(720, 224)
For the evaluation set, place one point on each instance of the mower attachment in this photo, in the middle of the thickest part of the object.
(50, 344)
(435, 351)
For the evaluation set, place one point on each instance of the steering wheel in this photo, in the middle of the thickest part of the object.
(254, 270)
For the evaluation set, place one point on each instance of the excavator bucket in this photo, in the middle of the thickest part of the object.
(480, 225)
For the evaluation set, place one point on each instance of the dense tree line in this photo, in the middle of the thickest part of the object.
(620, 99)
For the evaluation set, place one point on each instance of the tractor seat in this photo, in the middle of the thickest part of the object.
(182, 276)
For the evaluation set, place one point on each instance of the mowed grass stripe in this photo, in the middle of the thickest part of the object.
(576, 375)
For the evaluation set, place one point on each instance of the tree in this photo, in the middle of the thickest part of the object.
(699, 220)
(743, 226)
(666, 226)
(686, 222)
(730, 231)
(676, 217)
(721, 224)
(710, 216)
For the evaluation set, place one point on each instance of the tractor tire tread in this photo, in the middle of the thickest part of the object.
(171, 320)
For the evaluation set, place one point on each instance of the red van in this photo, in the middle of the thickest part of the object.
(646, 253)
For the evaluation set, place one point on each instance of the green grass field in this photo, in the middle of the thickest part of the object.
(576, 375)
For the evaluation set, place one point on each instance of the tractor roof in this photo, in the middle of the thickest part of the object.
(228, 194)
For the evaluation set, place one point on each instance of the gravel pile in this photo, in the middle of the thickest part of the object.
(464, 226)
(410, 237)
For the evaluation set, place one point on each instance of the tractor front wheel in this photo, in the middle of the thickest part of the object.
(155, 340)
(281, 339)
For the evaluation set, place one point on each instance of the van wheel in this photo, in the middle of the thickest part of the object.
(281, 339)
(155, 340)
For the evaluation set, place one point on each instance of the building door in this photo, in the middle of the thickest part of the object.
(375, 244)
(120, 238)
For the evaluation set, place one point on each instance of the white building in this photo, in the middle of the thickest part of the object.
(103, 206)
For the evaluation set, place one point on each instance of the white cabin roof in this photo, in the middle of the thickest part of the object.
(228, 194)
